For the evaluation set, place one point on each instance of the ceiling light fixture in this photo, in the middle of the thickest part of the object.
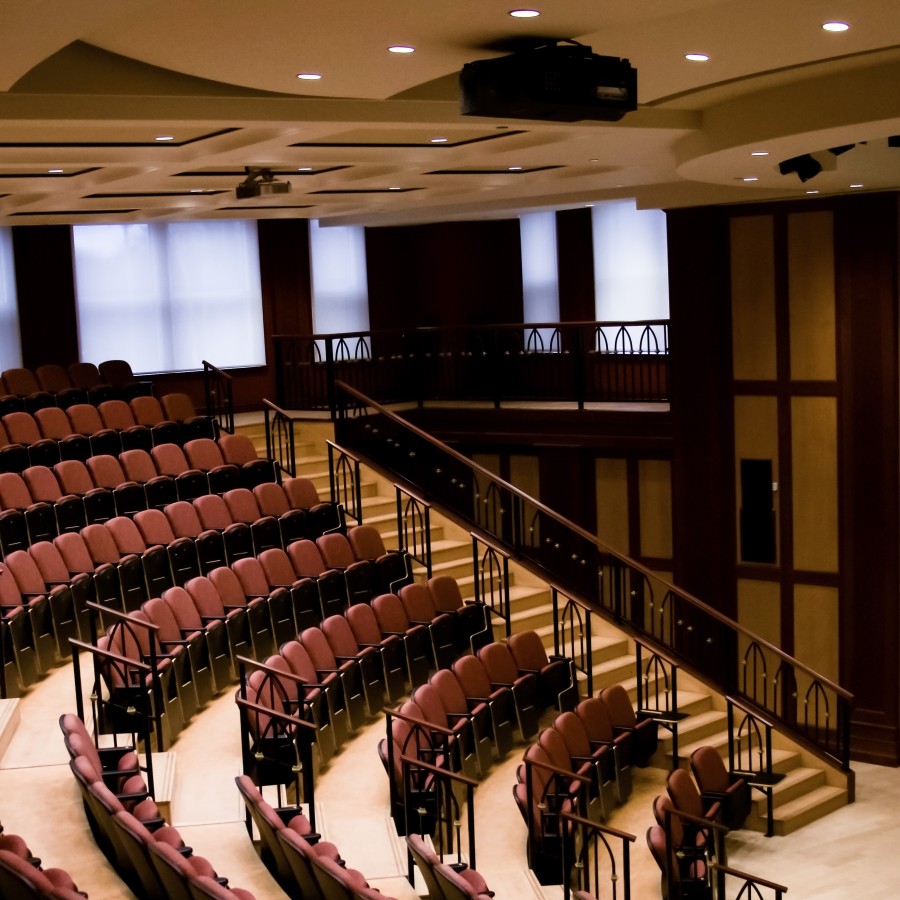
(857, 185)
(515, 169)
(439, 140)
(305, 169)
(750, 178)
(164, 137)
(55, 171)
(309, 76)
(697, 57)
(835, 26)
(759, 152)
(812, 192)
(524, 13)
(401, 48)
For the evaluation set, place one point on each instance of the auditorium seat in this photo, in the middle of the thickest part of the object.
(56, 381)
(39, 518)
(458, 710)
(138, 466)
(686, 798)
(209, 544)
(323, 515)
(259, 617)
(453, 737)
(75, 478)
(117, 372)
(211, 608)
(322, 657)
(85, 420)
(264, 530)
(358, 573)
(393, 620)
(44, 488)
(273, 501)
(367, 633)
(238, 450)
(22, 383)
(332, 586)
(21, 428)
(23, 633)
(180, 408)
(154, 557)
(255, 584)
(107, 472)
(214, 515)
(469, 618)
(13, 456)
(204, 454)
(575, 736)
(279, 572)
(556, 677)
(717, 784)
(392, 567)
(595, 717)
(346, 648)
(622, 714)
(170, 461)
(148, 411)
(419, 607)
(54, 424)
(461, 883)
(502, 671)
(476, 685)
(214, 635)
(61, 599)
(87, 376)
(117, 415)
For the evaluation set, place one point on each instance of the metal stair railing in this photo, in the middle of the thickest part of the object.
(809, 707)
(219, 394)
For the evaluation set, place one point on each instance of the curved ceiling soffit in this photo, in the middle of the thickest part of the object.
(801, 117)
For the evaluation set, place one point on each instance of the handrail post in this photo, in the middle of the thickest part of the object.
(330, 377)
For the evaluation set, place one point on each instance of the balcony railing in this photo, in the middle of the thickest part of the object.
(664, 619)
(577, 362)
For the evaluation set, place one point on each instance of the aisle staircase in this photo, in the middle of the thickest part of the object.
(808, 791)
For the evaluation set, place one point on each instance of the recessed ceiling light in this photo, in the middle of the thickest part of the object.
(524, 13)
(164, 137)
(750, 178)
(55, 171)
(589, 204)
(395, 187)
(439, 140)
(308, 76)
(835, 26)
(697, 57)
(196, 190)
(812, 192)
(402, 48)
(515, 168)
(857, 185)
(759, 152)
(305, 169)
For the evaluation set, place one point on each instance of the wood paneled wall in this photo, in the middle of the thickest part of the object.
(785, 324)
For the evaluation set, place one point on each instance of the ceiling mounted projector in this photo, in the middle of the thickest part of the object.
(558, 83)
(260, 183)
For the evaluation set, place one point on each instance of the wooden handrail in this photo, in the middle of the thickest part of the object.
(437, 770)
(591, 538)
(771, 885)
(596, 826)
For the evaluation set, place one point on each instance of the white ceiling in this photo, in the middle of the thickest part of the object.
(88, 86)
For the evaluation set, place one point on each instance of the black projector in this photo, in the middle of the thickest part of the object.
(556, 83)
(249, 189)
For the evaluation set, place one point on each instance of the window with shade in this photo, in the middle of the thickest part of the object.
(10, 345)
(166, 296)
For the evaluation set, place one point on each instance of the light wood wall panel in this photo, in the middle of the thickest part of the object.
(811, 287)
(815, 487)
(655, 492)
(753, 297)
(759, 610)
(612, 503)
(525, 474)
(755, 437)
(817, 629)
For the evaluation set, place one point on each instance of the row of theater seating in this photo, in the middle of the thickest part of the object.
(43, 502)
(446, 881)
(50, 435)
(23, 877)
(580, 765)
(691, 820)
(53, 385)
(305, 867)
(148, 854)
(465, 715)
(119, 564)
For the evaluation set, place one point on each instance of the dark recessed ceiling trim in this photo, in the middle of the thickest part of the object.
(366, 191)
(240, 173)
(401, 144)
(522, 171)
(208, 193)
(77, 212)
(46, 174)
(45, 144)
